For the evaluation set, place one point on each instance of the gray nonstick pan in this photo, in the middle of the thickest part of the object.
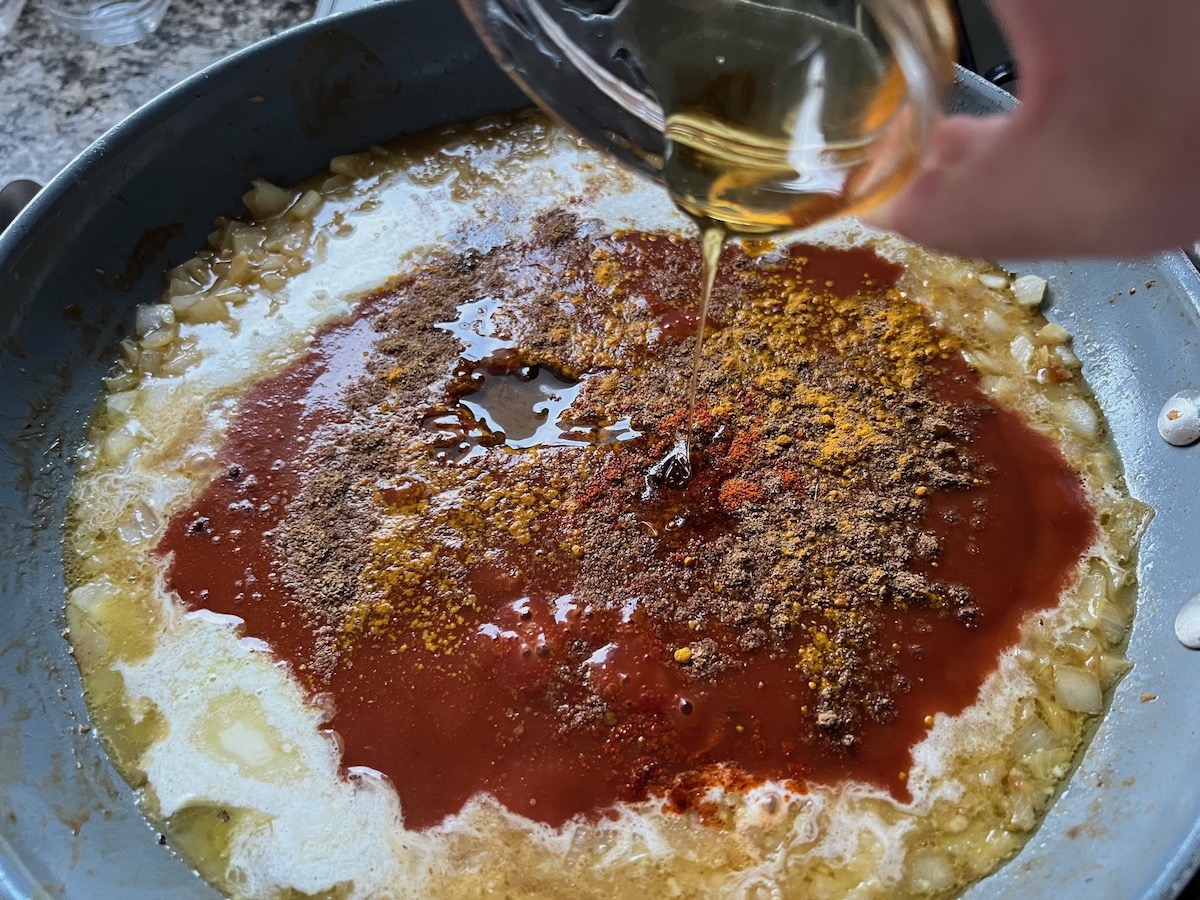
(95, 242)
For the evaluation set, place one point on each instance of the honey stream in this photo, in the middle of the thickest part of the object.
(773, 140)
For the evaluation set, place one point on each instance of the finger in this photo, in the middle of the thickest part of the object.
(951, 203)
(995, 187)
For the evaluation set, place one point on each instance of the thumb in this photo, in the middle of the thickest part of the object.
(994, 187)
(964, 197)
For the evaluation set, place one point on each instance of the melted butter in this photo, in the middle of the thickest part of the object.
(238, 728)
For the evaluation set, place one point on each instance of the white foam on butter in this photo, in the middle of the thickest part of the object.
(241, 734)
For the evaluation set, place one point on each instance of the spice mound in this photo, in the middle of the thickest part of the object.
(446, 518)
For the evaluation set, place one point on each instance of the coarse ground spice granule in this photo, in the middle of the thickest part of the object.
(862, 533)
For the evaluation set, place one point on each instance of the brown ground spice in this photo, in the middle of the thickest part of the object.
(820, 437)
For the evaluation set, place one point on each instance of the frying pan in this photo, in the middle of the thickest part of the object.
(93, 244)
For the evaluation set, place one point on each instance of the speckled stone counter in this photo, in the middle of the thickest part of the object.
(59, 92)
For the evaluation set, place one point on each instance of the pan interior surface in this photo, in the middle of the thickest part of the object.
(94, 244)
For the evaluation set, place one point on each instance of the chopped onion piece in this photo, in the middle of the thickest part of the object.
(117, 446)
(139, 523)
(130, 352)
(1067, 357)
(1033, 738)
(91, 596)
(160, 338)
(120, 378)
(118, 406)
(1052, 333)
(994, 323)
(1114, 622)
(182, 285)
(246, 240)
(180, 361)
(1111, 668)
(152, 317)
(334, 183)
(1029, 290)
(983, 362)
(306, 207)
(205, 309)
(1023, 816)
(1077, 414)
(152, 360)
(1021, 349)
(357, 165)
(266, 199)
(89, 644)
(272, 281)
(929, 872)
(1078, 689)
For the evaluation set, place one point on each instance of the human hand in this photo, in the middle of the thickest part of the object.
(1102, 157)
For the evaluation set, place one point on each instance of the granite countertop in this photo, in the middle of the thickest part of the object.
(59, 92)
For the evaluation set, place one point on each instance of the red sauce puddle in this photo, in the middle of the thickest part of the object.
(446, 728)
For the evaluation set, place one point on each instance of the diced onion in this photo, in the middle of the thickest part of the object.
(160, 338)
(1111, 668)
(355, 165)
(246, 240)
(152, 317)
(1077, 415)
(218, 237)
(130, 352)
(1023, 816)
(983, 362)
(1001, 387)
(202, 309)
(1033, 738)
(1029, 290)
(306, 207)
(1081, 639)
(929, 872)
(181, 285)
(271, 262)
(151, 361)
(139, 523)
(1053, 333)
(1114, 622)
(272, 281)
(1078, 689)
(120, 378)
(117, 446)
(1021, 349)
(334, 183)
(197, 269)
(89, 644)
(266, 199)
(91, 596)
(241, 268)
(118, 406)
(233, 296)
(994, 323)
(1067, 357)
(182, 359)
